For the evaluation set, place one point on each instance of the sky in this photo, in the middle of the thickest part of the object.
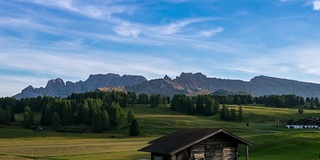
(230, 39)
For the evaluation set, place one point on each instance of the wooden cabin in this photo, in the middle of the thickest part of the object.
(196, 144)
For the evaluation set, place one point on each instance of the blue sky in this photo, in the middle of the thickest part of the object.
(232, 39)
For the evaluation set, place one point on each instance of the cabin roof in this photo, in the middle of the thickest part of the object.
(184, 138)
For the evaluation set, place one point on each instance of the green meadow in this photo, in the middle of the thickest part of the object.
(269, 141)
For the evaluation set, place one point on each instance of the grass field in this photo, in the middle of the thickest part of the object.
(269, 142)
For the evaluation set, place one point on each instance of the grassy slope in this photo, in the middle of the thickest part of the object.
(269, 142)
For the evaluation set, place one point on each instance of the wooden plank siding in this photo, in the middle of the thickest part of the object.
(214, 148)
(194, 143)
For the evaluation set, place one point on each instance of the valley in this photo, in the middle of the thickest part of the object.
(269, 142)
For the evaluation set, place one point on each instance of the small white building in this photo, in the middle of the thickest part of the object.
(306, 123)
(298, 126)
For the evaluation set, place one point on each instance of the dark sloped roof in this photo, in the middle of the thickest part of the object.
(184, 138)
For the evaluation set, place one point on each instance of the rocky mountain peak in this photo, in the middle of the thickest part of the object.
(186, 83)
(99, 77)
(55, 83)
(28, 89)
(166, 77)
(58, 88)
(194, 76)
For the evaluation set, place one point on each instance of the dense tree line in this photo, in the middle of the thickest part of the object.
(280, 101)
(92, 112)
(313, 103)
(104, 110)
(157, 99)
(234, 99)
(99, 110)
(201, 104)
(7, 115)
(227, 114)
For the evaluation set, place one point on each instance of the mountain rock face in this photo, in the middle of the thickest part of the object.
(58, 88)
(186, 83)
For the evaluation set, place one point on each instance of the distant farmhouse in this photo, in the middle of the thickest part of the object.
(309, 122)
(196, 144)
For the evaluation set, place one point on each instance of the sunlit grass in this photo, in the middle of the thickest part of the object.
(269, 141)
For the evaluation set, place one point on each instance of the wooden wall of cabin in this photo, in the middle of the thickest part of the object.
(156, 156)
(216, 147)
(182, 155)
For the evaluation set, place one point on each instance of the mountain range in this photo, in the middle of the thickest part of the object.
(186, 83)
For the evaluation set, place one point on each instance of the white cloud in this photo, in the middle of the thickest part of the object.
(127, 29)
(101, 11)
(212, 32)
(316, 5)
(175, 27)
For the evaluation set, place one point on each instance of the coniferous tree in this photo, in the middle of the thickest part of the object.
(216, 107)
(67, 114)
(143, 98)
(208, 110)
(105, 121)
(46, 115)
(132, 97)
(240, 116)
(199, 104)
(97, 122)
(190, 105)
(9, 114)
(27, 120)
(117, 115)
(224, 113)
(155, 100)
(175, 102)
(130, 116)
(233, 115)
(31, 114)
(55, 120)
(134, 128)
(84, 113)
(2, 117)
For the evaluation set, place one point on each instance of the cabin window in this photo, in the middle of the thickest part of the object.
(198, 152)
(157, 158)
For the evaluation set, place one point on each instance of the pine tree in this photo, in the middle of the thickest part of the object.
(134, 128)
(233, 115)
(223, 113)
(55, 120)
(84, 113)
(105, 121)
(240, 116)
(216, 107)
(96, 122)
(31, 114)
(66, 115)
(9, 112)
(27, 120)
(2, 117)
(45, 117)
(199, 104)
(208, 110)
(117, 115)
(190, 105)
(130, 116)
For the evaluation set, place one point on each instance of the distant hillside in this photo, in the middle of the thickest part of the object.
(224, 92)
(186, 83)
(58, 88)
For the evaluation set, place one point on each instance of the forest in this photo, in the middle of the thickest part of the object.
(104, 111)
